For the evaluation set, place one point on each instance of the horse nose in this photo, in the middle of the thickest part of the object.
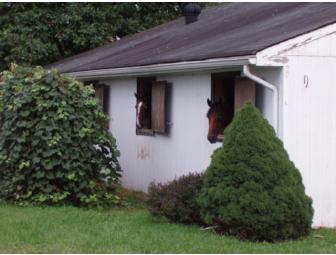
(212, 139)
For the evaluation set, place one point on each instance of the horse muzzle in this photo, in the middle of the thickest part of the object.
(212, 139)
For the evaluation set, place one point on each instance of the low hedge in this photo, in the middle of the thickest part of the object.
(177, 200)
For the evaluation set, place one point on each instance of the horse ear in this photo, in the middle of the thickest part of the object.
(209, 102)
(136, 95)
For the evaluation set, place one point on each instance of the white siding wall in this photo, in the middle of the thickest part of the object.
(310, 122)
(321, 47)
(273, 75)
(186, 148)
(310, 130)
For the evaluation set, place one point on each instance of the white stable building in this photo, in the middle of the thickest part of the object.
(282, 56)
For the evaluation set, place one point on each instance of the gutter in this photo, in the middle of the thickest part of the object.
(247, 73)
(210, 64)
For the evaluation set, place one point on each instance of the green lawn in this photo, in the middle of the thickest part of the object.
(72, 230)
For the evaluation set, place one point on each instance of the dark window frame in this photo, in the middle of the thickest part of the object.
(156, 90)
(106, 95)
(141, 81)
(229, 77)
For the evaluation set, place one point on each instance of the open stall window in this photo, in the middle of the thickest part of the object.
(150, 106)
(102, 93)
(231, 91)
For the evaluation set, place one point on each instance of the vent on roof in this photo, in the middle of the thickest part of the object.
(191, 12)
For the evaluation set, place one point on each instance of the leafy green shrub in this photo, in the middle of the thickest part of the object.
(251, 188)
(54, 148)
(177, 200)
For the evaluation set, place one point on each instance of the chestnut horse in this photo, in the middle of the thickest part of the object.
(143, 112)
(219, 115)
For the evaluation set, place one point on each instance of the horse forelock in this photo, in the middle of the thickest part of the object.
(218, 109)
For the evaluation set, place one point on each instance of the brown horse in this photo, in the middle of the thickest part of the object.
(219, 115)
(143, 112)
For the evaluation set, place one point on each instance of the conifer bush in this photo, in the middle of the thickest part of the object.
(251, 188)
(54, 147)
(177, 200)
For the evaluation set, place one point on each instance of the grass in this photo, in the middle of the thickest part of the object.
(73, 230)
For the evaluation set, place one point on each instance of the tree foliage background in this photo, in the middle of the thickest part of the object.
(41, 33)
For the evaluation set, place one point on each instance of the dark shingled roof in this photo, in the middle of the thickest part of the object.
(235, 29)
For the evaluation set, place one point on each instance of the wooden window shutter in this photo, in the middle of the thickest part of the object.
(158, 106)
(106, 99)
(245, 90)
(99, 92)
(102, 94)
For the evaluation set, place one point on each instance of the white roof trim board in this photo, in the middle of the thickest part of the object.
(188, 66)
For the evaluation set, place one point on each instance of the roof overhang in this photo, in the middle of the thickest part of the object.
(277, 55)
(188, 66)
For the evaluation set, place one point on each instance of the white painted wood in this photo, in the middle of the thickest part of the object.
(163, 157)
(309, 130)
(177, 67)
(273, 75)
(324, 47)
(276, 55)
(309, 124)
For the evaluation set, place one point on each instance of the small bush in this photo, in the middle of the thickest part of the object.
(251, 188)
(54, 148)
(176, 200)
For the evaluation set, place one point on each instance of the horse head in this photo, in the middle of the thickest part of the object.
(142, 111)
(217, 119)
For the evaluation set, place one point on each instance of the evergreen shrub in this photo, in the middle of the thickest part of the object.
(54, 147)
(251, 188)
(177, 200)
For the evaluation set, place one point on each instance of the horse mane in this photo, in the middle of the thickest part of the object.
(219, 106)
(146, 109)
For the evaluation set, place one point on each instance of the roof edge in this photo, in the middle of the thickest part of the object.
(275, 55)
(176, 67)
